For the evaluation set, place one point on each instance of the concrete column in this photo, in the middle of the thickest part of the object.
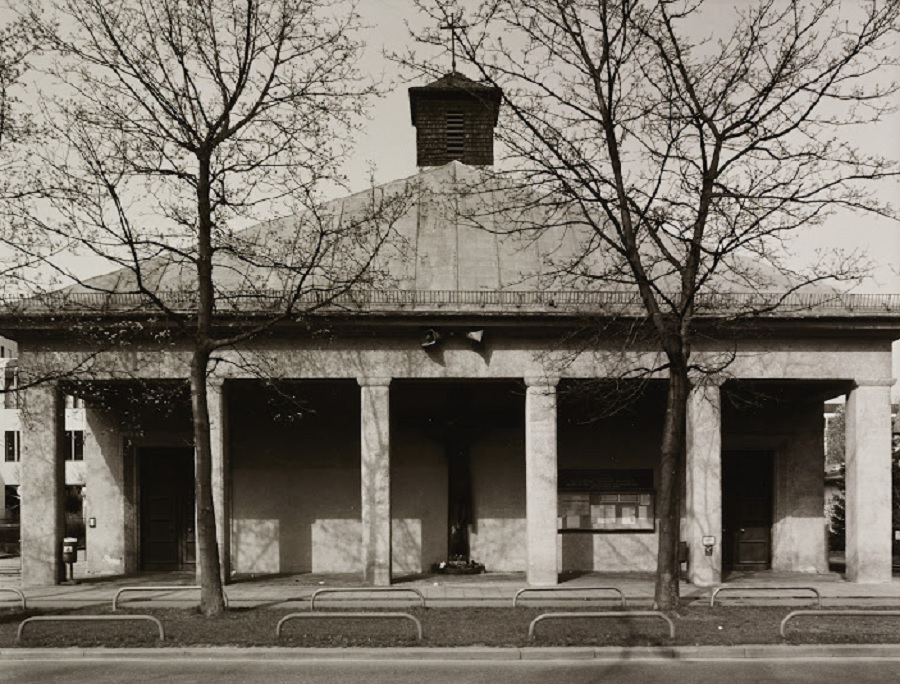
(43, 480)
(703, 482)
(868, 481)
(798, 531)
(105, 500)
(217, 399)
(375, 464)
(541, 508)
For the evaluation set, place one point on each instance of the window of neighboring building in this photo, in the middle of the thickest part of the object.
(74, 445)
(9, 522)
(11, 451)
(73, 506)
(455, 133)
(10, 396)
(11, 513)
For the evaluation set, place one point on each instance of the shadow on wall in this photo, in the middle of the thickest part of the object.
(296, 480)
(608, 552)
(336, 546)
(256, 546)
(406, 547)
(501, 544)
(418, 502)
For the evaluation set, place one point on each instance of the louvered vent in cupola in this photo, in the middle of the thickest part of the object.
(456, 135)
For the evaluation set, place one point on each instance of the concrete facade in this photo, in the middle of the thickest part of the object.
(320, 496)
(365, 449)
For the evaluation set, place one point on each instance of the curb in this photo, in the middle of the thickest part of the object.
(659, 653)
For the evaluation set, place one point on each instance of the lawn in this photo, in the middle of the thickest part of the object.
(695, 625)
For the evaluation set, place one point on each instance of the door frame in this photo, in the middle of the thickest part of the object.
(186, 525)
(729, 537)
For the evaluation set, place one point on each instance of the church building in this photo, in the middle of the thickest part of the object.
(474, 406)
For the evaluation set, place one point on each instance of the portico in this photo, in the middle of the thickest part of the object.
(357, 480)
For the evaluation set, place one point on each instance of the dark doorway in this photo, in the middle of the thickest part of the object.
(74, 508)
(167, 508)
(747, 510)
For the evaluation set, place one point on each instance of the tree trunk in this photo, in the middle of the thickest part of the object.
(212, 599)
(670, 487)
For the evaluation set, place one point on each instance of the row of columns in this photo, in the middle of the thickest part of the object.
(868, 481)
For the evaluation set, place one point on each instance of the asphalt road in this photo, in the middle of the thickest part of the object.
(273, 671)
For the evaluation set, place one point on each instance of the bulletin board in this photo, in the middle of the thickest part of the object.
(606, 501)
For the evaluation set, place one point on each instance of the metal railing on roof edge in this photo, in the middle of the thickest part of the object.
(614, 302)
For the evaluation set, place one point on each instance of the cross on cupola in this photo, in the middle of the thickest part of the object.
(453, 24)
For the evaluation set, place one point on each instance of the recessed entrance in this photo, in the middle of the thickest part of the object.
(167, 508)
(458, 480)
(747, 510)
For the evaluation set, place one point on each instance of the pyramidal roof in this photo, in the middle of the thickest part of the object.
(456, 81)
(448, 229)
(456, 86)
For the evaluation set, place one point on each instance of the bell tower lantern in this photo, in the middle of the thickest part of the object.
(454, 118)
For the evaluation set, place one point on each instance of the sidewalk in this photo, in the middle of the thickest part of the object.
(487, 590)
(468, 653)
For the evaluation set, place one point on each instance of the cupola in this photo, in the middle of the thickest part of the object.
(454, 118)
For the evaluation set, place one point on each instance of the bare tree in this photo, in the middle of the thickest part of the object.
(175, 125)
(14, 123)
(15, 128)
(686, 159)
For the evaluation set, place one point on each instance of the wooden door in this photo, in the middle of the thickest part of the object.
(167, 509)
(747, 510)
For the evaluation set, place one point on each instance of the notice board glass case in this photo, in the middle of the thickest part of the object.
(606, 501)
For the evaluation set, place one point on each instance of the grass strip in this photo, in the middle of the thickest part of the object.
(443, 627)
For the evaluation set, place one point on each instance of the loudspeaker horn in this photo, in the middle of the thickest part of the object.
(430, 338)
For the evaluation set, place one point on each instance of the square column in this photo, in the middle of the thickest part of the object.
(798, 532)
(375, 464)
(43, 481)
(106, 497)
(703, 482)
(217, 400)
(868, 481)
(541, 508)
